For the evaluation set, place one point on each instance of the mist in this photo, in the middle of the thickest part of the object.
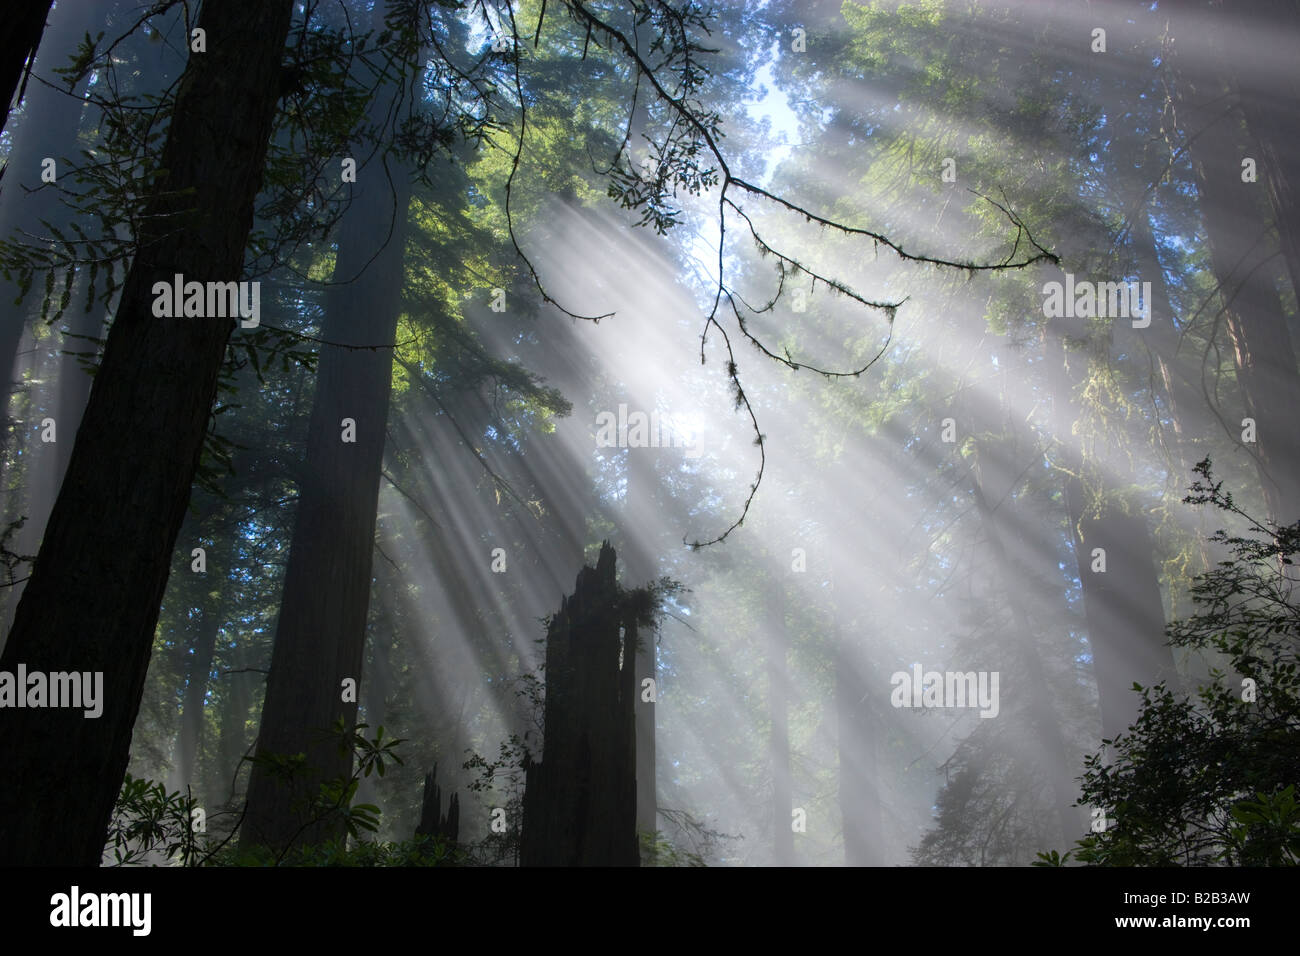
(632, 444)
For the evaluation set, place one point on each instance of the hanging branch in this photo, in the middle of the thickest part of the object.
(693, 134)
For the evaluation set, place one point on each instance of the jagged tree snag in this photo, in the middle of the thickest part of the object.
(580, 800)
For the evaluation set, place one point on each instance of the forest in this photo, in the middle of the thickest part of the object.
(588, 433)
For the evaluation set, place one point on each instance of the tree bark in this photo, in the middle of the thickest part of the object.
(93, 599)
(20, 35)
(1122, 605)
(1260, 41)
(641, 569)
(859, 797)
(1239, 252)
(433, 822)
(580, 800)
(1044, 722)
(320, 636)
(778, 744)
(198, 674)
(49, 129)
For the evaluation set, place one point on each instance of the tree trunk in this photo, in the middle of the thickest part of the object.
(580, 800)
(1180, 392)
(1122, 605)
(641, 569)
(1261, 39)
(1239, 253)
(778, 744)
(93, 599)
(199, 673)
(20, 35)
(48, 129)
(320, 636)
(236, 699)
(1044, 722)
(433, 822)
(859, 797)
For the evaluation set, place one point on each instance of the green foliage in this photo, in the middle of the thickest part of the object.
(334, 797)
(691, 843)
(147, 821)
(657, 850)
(1209, 778)
(420, 851)
(1268, 829)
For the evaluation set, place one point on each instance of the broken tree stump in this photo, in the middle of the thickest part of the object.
(432, 822)
(580, 800)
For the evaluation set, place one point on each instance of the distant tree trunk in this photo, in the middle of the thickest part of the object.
(1239, 251)
(236, 699)
(20, 35)
(48, 129)
(320, 637)
(580, 800)
(62, 397)
(641, 567)
(778, 708)
(859, 796)
(1123, 605)
(1125, 614)
(1180, 394)
(1044, 722)
(93, 599)
(1262, 35)
(197, 677)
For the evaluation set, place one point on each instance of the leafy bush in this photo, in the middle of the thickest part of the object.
(1210, 778)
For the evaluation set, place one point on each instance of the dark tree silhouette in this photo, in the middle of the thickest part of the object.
(95, 591)
(20, 35)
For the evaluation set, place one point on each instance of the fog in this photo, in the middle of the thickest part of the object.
(912, 533)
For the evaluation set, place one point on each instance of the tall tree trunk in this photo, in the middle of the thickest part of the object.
(1179, 392)
(236, 699)
(1260, 39)
(1122, 605)
(48, 129)
(856, 721)
(858, 798)
(93, 599)
(778, 707)
(320, 636)
(1239, 253)
(198, 674)
(1045, 724)
(641, 568)
(859, 700)
(20, 35)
